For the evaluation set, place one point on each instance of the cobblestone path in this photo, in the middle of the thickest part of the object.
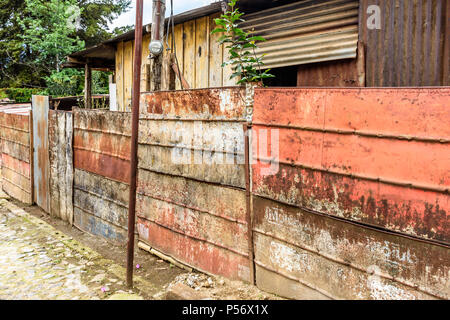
(39, 262)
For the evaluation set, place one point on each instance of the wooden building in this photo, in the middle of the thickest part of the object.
(320, 43)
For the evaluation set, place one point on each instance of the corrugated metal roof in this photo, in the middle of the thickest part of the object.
(16, 108)
(306, 32)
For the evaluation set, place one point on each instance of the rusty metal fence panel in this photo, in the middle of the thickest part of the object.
(101, 172)
(60, 135)
(191, 202)
(359, 186)
(16, 156)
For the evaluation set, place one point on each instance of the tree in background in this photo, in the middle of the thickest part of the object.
(95, 18)
(48, 31)
(15, 70)
(37, 35)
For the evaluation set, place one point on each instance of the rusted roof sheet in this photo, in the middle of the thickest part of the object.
(16, 108)
(306, 32)
(408, 49)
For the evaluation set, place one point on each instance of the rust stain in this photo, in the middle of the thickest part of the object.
(223, 103)
(338, 256)
(199, 254)
(383, 181)
(101, 172)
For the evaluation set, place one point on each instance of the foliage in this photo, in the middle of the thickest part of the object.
(14, 55)
(67, 82)
(100, 82)
(20, 95)
(95, 17)
(246, 64)
(48, 31)
(21, 54)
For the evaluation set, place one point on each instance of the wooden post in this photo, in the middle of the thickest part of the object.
(87, 86)
(168, 74)
(159, 12)
(361, 65)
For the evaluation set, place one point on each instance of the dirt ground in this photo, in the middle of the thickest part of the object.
(160, 274)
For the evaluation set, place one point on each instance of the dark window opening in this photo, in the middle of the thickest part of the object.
(284, 77)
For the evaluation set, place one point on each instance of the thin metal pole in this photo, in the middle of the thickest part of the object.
(134, 139)
(248, 195)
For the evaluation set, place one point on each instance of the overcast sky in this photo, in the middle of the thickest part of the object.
(179, 6)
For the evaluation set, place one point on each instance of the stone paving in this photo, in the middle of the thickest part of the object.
(39, 262)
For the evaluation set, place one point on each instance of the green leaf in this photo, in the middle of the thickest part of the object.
(217, 30)
(256, 38)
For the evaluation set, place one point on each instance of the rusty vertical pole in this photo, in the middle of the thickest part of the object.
(134, 139)
(248, 196)
(87, 86)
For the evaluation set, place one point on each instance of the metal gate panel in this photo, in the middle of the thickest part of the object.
(61, 164)
(40, 107)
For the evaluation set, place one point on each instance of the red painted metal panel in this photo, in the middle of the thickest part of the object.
(21, 167)
(346, 161)
(356, 163)
(15, 155)
(370, 110)
(420, 163)
(102, 164)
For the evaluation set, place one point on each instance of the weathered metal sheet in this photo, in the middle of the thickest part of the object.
(204, 104)
(341, 260)
(40, 107)
(306, 32)
(191, 200)
(345, 160)
(15, 154)
(61, 164)
(361, 154)
(102, 143)
(408, 48)
(101, 172)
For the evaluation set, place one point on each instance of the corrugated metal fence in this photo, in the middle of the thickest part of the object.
(191, 181)
(101, 172)
(16, 156)
(350, 192)
(411, 46)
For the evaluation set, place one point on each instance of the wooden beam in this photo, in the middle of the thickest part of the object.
(168, 76)
(159, 11)
(361, 65)
(184, 83)
(87, 86)
(446, 53)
